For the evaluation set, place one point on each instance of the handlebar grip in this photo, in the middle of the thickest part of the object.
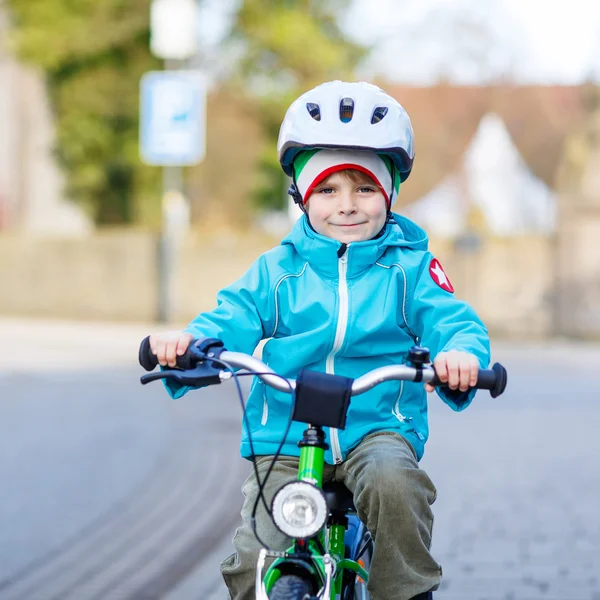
(148, 360)
(493, 379)
(146, 357)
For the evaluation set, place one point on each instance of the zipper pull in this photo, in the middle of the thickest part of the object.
(341, 250)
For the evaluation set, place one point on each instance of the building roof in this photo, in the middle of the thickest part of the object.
(493, 191)
(445, 118)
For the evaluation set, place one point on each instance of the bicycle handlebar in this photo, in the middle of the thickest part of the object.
(197, 368)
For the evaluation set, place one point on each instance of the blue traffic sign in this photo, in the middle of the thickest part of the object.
(172, 118)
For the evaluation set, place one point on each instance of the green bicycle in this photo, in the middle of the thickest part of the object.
(332, 549)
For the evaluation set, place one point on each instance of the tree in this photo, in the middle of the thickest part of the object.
(93, 54)
(288, 46)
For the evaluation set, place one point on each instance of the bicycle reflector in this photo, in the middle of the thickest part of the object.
(299, 509)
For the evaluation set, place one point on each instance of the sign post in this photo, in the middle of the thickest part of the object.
(172, 135)
(172, 128)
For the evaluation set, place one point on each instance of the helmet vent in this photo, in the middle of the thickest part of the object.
(378, 114)
(346, 109)
(314, 110)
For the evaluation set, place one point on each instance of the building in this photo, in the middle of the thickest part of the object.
(492, 190)
(31, 183)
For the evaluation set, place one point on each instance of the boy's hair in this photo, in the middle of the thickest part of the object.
(353, 175)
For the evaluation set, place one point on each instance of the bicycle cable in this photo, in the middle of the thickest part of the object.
(368, 542)
(261, 484)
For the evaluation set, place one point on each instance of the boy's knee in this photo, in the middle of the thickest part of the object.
(400, 486)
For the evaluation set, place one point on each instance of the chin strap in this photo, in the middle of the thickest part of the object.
(296, 196)
(389, 220)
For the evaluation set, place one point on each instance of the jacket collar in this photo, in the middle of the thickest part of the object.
(321, 252)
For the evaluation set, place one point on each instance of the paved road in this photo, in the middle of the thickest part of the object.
(110, 490)
(517, 516)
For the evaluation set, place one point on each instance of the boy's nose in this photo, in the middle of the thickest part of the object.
(346, 203)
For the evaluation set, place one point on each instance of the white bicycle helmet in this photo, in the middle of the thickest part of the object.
(356, 116)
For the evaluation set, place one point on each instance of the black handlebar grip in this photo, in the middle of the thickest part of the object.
(187, 360)
(493, 379)
(148, 359)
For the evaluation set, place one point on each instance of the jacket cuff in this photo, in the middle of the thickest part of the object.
(176, 390)
(456, 399)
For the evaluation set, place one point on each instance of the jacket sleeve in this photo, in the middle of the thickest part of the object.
(239, 319)
(443, 322)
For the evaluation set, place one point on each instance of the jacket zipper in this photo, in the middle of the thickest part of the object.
(340, 334)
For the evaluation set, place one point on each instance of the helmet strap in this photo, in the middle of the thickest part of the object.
(296, 195)
(391, 196)
(389, 217)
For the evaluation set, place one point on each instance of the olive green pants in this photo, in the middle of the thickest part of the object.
(393, 498)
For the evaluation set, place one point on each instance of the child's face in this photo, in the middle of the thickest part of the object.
(347, 210)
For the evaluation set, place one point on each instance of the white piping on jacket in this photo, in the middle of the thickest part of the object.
(265, 413)
(416, 337)
(396, 407)
(276, 299)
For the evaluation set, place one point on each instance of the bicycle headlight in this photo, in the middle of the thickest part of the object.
(299, 509)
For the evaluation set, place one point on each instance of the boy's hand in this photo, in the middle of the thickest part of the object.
(169, 345)
(457, 369)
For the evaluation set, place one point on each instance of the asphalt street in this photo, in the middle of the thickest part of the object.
(108, 489)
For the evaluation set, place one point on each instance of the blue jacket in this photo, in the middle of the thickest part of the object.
(345, 316)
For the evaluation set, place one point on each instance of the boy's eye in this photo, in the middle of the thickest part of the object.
(367, 189)
(325, 190)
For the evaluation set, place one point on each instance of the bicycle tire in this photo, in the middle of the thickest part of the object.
(291, 587)
(360, 587)
(354, 587)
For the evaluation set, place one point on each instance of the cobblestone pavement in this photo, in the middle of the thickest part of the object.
(109, 490)
(518, 477)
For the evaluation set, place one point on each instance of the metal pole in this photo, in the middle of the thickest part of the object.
(174, 38)
(167, 250)
(172, 187)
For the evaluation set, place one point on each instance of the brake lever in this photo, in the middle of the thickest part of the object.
(144, 379)
(203, 374)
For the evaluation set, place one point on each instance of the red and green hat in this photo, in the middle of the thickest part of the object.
(311, 167)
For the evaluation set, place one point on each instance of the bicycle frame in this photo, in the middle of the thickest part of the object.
(328, 568)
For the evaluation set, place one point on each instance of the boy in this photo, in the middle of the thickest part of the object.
(352, 287)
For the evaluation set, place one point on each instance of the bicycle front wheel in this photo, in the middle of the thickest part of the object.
(360, 550)
(360, 586)
(291, 587)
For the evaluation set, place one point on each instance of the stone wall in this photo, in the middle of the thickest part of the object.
(105, 276)
(578, 237)
(509, 281)
(113, 275)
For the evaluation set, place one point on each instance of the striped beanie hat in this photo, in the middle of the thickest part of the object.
(311, 167)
